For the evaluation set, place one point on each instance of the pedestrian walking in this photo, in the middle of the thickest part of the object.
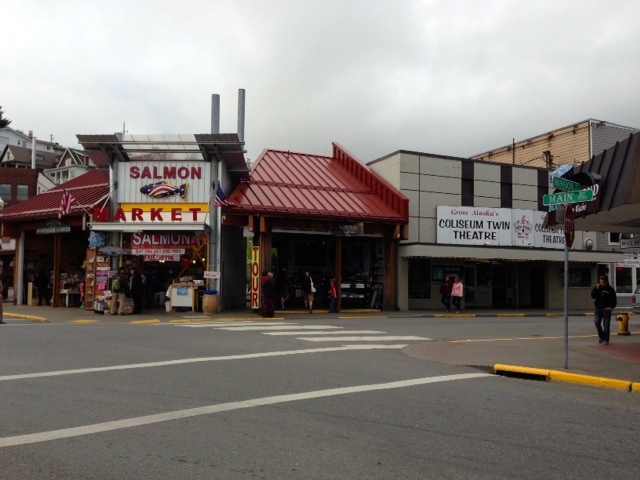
(445, 292)
(42, 284)
(457, 292)
(605, 301)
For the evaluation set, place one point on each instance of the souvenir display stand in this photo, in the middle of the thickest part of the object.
(96, 279)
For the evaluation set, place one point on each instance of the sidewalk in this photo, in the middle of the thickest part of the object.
(537, 357)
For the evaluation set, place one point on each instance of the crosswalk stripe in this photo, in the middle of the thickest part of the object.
(323, 332)
(337, 338)
(278, 327)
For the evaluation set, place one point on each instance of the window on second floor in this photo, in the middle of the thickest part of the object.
(5, 192)
(22, 193)
(614, 237)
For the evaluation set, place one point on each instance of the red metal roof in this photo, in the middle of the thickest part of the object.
(88, 190)
(339, 187)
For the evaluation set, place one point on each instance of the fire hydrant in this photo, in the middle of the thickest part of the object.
(623, 324)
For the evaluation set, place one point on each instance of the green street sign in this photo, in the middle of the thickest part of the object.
(564, 184)
(567, 197)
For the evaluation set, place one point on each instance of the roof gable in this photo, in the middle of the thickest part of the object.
(339, 187)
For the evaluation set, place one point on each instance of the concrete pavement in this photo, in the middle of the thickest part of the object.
(611, 366)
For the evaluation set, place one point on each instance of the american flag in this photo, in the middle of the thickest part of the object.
(221, 198)
(65, 204)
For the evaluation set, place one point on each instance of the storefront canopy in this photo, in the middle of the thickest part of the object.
(87, 191)
(619, 170)
(223, 147)
(340, 187)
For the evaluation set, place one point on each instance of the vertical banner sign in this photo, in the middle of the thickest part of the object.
(255, 277)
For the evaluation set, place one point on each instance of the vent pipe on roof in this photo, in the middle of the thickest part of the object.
(215, 113)
(241, 114)
(33, 152)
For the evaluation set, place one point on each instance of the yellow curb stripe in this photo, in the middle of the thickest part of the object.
(635, 387)
(568, 377)
(26, 317)
(84, 322)
(556, 376)
(497, 368)
(517, 315)
(144, 322)
(555, 315)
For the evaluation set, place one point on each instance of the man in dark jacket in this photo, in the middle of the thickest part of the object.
(605, 301)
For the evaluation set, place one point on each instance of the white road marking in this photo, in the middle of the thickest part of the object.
(224, 324)
(223, 407)
(257, 328)
(56, 373)
(388, 338)
(337, 332)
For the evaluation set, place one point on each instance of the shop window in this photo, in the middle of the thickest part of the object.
(624, 280)
(580, 277)
(420, 278)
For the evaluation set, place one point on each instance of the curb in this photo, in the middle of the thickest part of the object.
(567, 377)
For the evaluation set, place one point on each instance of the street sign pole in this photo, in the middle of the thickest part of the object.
(566, 306)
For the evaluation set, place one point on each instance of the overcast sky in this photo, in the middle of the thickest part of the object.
(438, 76)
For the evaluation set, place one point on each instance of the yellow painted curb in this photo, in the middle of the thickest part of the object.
(635, 387)
(556, 376)
(524, 370)
(26, 317)
(511, 315)
(555, 315)
(144, 322)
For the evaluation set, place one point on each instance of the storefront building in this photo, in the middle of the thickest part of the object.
(331, 216)
(163, 215)
(484, 223)
(50, 242)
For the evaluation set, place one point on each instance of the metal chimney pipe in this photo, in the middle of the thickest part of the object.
(241, 95)
(215, 113)
(33, 152)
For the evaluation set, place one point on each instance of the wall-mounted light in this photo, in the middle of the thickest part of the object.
(588, 244)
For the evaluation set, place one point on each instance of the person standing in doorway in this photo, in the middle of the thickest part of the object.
(42, 284)
(282, 287)
(605, 301)
(2, 322)
(308, 288)
(445, 292)
(333, 296)
(136, 289)
(119, 286)
(457, 292)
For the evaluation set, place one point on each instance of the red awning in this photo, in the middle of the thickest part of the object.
(88, 191)
(312, 186)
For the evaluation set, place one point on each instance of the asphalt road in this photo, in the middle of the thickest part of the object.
(238, 401)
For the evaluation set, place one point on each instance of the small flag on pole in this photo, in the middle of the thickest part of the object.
(221, 198)
(65, 204)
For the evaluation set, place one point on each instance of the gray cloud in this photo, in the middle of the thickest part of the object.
(449, 77)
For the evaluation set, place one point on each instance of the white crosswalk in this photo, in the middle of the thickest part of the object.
(308, 333)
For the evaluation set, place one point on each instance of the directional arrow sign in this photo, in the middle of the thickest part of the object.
(567, 197)
(564, 184)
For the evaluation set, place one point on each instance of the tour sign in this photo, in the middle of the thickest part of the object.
(563, 198)
(564, 184)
